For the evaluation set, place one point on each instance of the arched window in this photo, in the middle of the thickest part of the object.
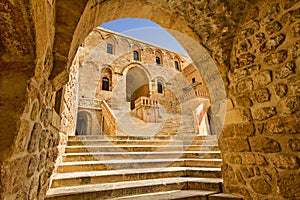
(159, 87)
(176, 65)
(109, 48)
(157, 59)
(105, 84)
(136, 55)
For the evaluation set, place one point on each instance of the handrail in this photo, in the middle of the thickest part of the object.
(193, 93)
(110, 126)
(146, 101)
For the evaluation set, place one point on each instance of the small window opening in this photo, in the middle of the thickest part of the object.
(159, 87)
(109, 48)
(157, 59)
(176, 65)
(105, 84)
(136, 55)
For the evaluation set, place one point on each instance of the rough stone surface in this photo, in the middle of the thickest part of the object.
(294, 145)
(264, 144)
(264, 113)
(286, 161)
(288, 185)
(255, 159)
(261, 186)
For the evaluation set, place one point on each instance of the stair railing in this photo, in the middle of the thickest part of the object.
(109, 122)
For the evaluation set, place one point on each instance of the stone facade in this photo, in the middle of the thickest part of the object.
(126, 74)
(254, 44)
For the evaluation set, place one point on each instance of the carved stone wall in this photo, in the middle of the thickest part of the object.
(260, 147)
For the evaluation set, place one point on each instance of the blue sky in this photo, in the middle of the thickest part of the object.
(146, 30)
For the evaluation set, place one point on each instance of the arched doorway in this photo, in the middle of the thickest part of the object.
(83, 124)
(137, 85)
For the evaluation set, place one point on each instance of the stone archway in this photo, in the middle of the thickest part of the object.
(137, 84)
(260, 140)
(83, 124)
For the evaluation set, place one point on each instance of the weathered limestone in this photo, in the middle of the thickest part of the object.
(138, 166)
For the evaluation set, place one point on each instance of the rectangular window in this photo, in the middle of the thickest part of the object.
(109, 48)
(136, 55)
(157, 59)
(159, 87)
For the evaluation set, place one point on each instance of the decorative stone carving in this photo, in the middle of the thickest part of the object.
(264, 113)
(246, 33)
(296, 29)
(246, 59)
(272, 43)
(294, 145)
(290, 17)
(245, 71)
(291, 105)
(276, 58)
(244, 86)
(273, 27)
(295, 50)
(263, 78)
(285, 70)
(273, 11)
(262, 95)
(259, 38)
(281, 89)
(245, 46)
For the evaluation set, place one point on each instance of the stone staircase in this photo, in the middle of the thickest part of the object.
(139, 168)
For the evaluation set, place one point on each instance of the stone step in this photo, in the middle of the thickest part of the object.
(122, 142)
(142, 137)
(138, 148)
(171, 195)
(224, 196)
(129, 188)
(108, 176)
(90, 156)
(119, 137)
(141, 142)
(135, 163)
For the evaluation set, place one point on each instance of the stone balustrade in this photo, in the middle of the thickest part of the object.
(109, 122)
(192, 93)
(145, 101)
(147, 109)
